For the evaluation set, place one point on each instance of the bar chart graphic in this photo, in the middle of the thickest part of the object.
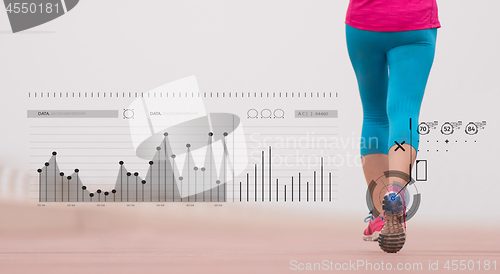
(315, 187)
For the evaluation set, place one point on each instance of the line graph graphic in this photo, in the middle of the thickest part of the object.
(163, 181)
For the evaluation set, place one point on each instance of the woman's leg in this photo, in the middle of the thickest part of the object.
(374, 166)
(409, 68)
(410, 63)
(368, 58)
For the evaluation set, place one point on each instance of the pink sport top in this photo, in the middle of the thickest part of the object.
(392, 15)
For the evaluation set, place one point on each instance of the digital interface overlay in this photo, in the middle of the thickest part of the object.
(178, 144)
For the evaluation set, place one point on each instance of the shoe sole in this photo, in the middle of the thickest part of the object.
(371, 238)
(392, 236)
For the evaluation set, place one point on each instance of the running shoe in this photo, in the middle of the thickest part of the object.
(374, 226)
(392, 236)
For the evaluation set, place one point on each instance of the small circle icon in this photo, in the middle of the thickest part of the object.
(423, 129)
(266, 113)
(471, 129)
(279, 113)
(252, 113)
(447, 128)
(128, 113)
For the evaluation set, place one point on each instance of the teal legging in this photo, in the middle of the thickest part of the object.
(392, 69)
